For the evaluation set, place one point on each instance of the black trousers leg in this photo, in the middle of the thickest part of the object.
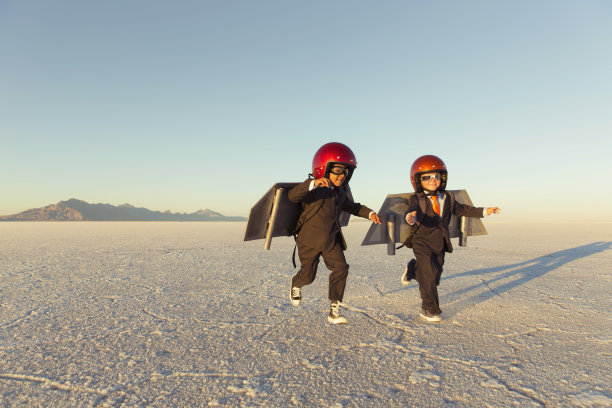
(336, 263)
(428, 273)
(309, 260)
(439, 261)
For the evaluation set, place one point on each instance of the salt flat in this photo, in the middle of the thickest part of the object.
(186, 314)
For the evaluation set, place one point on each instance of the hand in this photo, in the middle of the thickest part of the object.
(411, 218)
(493, 210)
(375, 218)
(323, 182)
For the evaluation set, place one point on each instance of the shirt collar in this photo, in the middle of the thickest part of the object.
(441, 195)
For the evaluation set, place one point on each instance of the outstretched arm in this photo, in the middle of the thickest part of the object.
(359, 210)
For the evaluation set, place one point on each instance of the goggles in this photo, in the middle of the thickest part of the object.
(337, 170)
(428, 177)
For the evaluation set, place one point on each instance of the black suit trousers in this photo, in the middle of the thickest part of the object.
(334, 261)
(428, 272)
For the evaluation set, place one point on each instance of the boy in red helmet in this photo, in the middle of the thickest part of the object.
(323, 198)
(430, 209)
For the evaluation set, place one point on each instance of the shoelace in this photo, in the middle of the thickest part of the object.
(295, 292)
(335, 309)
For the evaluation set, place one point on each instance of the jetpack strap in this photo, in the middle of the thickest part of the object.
(408, 243)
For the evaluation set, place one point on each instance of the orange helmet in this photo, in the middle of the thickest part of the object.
(427, 164)
(330, 154)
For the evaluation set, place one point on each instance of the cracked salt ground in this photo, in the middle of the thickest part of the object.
(158, 314)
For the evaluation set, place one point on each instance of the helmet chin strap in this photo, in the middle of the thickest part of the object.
(430, 192)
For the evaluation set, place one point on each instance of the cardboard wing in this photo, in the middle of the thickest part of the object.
(396, 229)
(275, 216)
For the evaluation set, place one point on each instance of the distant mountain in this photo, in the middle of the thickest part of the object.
(78, 210)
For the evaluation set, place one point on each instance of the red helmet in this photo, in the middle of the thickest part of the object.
(427, 164)
(330, 154)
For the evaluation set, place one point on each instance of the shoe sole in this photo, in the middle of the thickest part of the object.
(294, 302)
(405, 282)
(433, 319)
(338, 321)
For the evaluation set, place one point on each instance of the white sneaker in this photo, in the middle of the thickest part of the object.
(295, 294)
(334, 314)
(426, 315)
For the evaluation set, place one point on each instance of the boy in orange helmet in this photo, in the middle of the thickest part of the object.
(431, 209)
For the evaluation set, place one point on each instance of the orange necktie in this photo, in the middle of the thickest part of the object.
(436, 206)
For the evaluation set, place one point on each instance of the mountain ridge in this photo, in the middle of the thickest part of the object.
(79, 210)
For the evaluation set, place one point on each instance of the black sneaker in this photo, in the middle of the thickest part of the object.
(334, 314)
(429, 316)
(295, 294)
(409, 272)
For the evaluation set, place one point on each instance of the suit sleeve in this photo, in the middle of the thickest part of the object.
(300, 192)
(413, 204)
(356, 208)
(464, 210)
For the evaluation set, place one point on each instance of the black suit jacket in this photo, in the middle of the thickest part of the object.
(433, 229)
(319, 221)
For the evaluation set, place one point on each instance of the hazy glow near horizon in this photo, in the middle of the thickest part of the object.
(192, 105)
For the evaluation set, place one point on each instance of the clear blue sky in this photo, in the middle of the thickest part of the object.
(205, 104)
